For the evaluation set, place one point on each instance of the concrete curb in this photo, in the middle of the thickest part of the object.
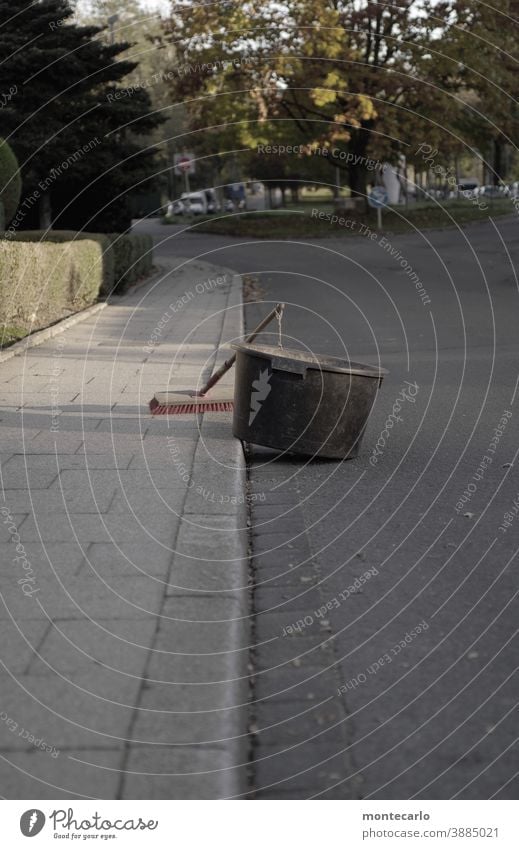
(220, 464)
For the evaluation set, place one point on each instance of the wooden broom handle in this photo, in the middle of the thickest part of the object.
(228, 364)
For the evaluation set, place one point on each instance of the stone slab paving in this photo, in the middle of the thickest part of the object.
(124, 619)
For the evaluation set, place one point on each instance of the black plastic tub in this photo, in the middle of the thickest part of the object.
(302, 403)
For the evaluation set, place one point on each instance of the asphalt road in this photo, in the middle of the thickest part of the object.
(399, 683)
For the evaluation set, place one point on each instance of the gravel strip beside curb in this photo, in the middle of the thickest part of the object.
(48, 332)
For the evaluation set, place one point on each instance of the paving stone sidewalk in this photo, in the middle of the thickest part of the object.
(123, 552)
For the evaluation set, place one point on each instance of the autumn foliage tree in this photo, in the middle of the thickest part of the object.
(371, 78)
(483, 42)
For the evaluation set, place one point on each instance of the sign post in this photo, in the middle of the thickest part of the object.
(184, 164)
(377, 199)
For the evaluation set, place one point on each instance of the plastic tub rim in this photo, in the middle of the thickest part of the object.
(270, 352)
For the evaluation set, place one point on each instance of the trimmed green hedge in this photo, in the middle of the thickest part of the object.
(10, 182)
(104, 262)
(41, 283)
(124, 258)
(133, 258)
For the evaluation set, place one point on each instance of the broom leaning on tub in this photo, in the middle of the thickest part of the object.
(191, 401)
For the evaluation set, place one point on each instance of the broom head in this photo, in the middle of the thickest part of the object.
(187, 401)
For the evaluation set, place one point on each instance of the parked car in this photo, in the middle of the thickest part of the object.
(195, 203)
(212, 202)
(468, 189)
(493, 191)
(175, 207)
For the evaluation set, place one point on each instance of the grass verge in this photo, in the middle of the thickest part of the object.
(290, 223)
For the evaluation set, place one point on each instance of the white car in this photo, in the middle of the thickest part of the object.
(175, 207)
(195, 202)
(491, 191)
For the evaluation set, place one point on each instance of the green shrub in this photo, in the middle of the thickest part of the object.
(10, 182)
(41, 282)
(133, 258)
(11, 333)
(124, 258)
(105, 261)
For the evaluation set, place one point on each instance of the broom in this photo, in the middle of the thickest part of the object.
(191, 401)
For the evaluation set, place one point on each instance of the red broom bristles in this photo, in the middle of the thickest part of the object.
(157, 409)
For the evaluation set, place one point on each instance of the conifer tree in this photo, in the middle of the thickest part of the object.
(73, 125)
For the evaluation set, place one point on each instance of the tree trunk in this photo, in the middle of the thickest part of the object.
(498, 162)
(45, 211)
(358, 175)
(337, 182)
(359, 183)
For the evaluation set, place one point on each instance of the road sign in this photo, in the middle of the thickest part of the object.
(378, 197)
(184, 163)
